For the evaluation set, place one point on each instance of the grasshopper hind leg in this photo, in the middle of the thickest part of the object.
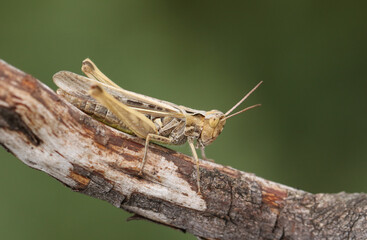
(91, 70)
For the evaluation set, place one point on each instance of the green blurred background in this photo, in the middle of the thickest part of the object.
(310, 132)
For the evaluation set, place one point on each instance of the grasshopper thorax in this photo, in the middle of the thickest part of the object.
(214, 122)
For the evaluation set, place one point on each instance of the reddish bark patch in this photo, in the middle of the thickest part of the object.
(131, 145)
(124, 170)
(33, 86)
(274, 197)
(115, 140)
(234, 173)
(29, 83)
(128, 157)
(82, 182)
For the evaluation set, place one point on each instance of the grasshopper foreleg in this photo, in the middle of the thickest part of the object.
(203, 156)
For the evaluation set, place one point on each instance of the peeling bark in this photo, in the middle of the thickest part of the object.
(51, 135)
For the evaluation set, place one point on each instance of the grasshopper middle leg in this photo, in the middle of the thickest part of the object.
(152, 137)
(194, 154)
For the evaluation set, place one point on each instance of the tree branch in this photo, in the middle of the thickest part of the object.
(51, 135)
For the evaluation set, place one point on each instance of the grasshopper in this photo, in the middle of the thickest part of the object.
(146, 117)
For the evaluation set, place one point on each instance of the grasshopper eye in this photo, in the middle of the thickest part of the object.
(213, 122)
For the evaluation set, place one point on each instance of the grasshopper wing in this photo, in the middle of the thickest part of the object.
(78, 85)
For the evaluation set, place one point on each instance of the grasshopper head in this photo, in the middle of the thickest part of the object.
(214, 121)
(213, 125)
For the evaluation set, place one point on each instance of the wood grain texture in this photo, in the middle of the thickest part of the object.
(49, 134)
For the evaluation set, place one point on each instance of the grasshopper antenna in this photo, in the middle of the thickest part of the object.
(243, 110)
(243, 99)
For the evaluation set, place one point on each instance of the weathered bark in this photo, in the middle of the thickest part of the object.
(49, 134)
